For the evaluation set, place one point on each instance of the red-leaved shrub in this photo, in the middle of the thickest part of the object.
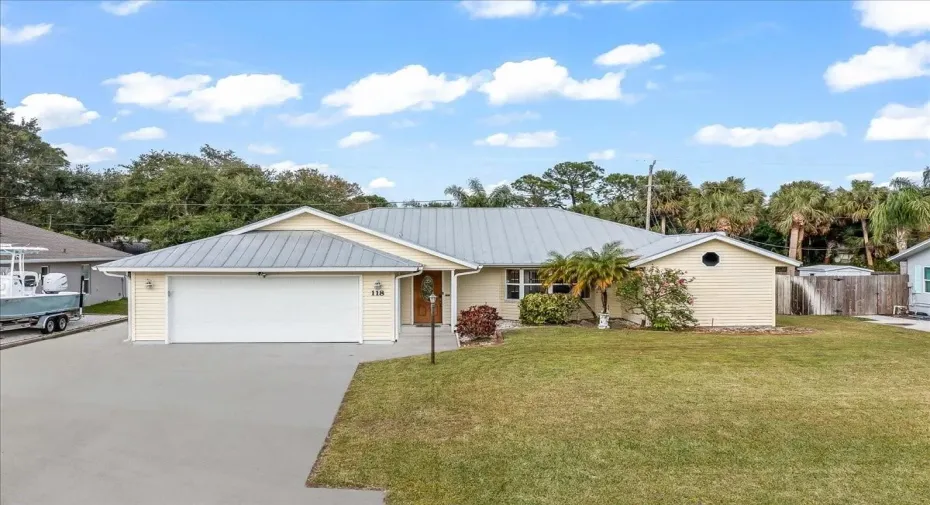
(477, 321)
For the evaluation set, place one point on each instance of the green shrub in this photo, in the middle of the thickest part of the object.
(540, 308)
(662, 296)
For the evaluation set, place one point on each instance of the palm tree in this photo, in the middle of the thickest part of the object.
(670, 192)
(905, 209)
(798, 207)
(724, 206)
(589, 269)
(857, 204)
(476, 196)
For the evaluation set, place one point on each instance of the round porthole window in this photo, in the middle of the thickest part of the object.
(711, 259)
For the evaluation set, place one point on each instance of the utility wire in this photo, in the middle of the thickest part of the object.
(315, 204)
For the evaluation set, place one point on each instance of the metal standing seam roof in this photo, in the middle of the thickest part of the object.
(61, 248)
(266, 250)
(501, 236)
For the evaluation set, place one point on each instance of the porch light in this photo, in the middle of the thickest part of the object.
(149, 284)
(378, 285)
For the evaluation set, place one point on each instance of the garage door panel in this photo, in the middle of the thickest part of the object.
(272, 309)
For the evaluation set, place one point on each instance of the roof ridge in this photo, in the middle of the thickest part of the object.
(363, 246)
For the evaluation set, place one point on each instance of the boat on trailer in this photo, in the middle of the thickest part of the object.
(24, 303)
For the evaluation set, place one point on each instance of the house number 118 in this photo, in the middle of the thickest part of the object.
(377, 292)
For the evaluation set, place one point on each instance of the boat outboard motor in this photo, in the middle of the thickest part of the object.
(55, 283)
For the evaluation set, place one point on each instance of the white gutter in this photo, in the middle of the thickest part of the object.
(128, 298)
(455, 299)
(397, 295)
(253, 270)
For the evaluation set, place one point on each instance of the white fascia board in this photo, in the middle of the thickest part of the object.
(723, 238)
(335, 219)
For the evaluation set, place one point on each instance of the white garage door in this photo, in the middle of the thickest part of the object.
(248, 308)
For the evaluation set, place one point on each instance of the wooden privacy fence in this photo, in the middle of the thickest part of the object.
(842, 295)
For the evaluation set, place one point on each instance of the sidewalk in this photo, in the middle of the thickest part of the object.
(911, 324)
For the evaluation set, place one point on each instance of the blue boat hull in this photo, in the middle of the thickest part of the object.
(12, 309)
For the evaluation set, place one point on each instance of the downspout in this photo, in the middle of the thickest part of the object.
(397, 296)
(128, 287)
(455, 299)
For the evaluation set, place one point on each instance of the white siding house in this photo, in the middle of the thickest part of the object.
(915, 262)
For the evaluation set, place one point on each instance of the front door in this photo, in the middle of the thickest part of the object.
(423, 285)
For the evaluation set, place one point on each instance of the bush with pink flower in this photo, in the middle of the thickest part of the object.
(661, 295)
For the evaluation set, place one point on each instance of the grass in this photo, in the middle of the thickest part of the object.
(565, 415)
(115, 307)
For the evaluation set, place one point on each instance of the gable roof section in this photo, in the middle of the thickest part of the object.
(833, 268)
(672, 244)
(500, 236)
(61, 248)
(351, 224)
(266, 251)
(910, 251)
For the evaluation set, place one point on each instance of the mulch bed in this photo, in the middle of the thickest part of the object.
(755, 330)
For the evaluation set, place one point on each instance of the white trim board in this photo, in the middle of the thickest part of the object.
(723, 238)
(254, 270)
(335, 219)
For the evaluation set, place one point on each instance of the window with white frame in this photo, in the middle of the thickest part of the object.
(524, 281)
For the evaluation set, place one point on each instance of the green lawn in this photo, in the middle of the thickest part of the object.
(577, 416)
(115, 307)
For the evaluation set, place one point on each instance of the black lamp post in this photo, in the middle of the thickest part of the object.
(432, 328)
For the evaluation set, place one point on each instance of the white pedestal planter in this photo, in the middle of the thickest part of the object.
(604, 322)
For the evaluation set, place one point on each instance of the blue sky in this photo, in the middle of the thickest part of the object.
(493, 90)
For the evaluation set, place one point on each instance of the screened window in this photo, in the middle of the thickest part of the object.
(525, 281)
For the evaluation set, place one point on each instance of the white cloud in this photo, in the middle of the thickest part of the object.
(606, 154)
(916, 176)
(411, 87)
(560, 9)
(534, 79)
(147, 133)
(651, 85)
(782, 134)
(864, 176)
(54, 111)
(521, 140)
(381, 183)
(899, 122)
(124, 8)
(491, 187)
(630, 4)
(658, 67)
(825, 183)
(356, 139)
(229, 96)
(23, 34)
(629, 54)
(403, 123)
(896, 17)
(880, 64)
(288, 165)
(263, 149)
(490, 9)
(86, 155)
(512, 117)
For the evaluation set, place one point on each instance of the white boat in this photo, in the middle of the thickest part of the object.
(24, 303)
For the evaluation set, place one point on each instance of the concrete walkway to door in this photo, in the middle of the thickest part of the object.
(92, 419)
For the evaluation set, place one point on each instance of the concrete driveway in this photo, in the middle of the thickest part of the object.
(903, 322)
(91, 419)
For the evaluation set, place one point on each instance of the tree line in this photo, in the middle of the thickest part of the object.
(170, 198)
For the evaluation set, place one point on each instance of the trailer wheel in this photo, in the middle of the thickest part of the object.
(49, 326)
(61, 322)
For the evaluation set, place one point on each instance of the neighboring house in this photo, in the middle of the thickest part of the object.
(833, 270)
(308, 276)
(915, 262)
(67, 255)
